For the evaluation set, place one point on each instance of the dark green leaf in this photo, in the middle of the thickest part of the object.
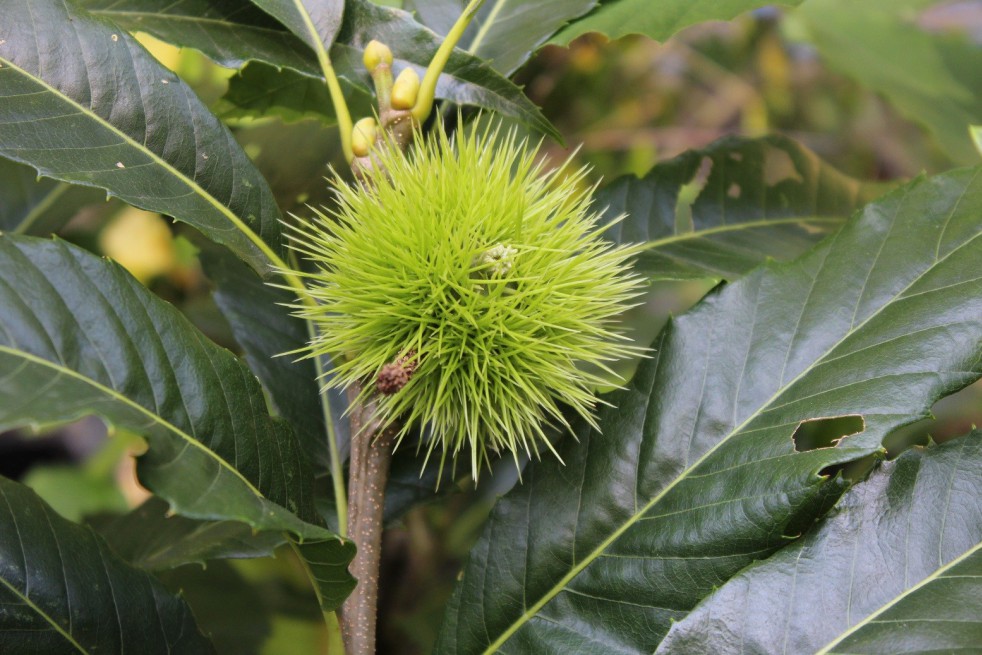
(265, 330)
(260, 90)
(466, 79)
(29, 205)
(617, 18)
(80, 336)
(896, 568)
(231, 610)
(151, 538)
(315, 21)
(720, 211)
(82, 101)
(504, 32)
(265, 334)
(696, 474)
(933, 78)
(231, 32)
(62, 590)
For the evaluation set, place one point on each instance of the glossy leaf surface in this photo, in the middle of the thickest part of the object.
(82, 101)
(315, 21)
(720, 211)
(695, 474)
(62, 590)
(504, 32)
(79, 336)
(896, 568)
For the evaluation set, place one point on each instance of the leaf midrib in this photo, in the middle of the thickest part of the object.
(937, 574)
(736, 227)
(38, 210)
(27, 601)
(486, 26)
(596, 552)
(271, 256)
(112, 393)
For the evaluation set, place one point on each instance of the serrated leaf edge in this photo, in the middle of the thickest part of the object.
(596, 552)
(194, 186)
(64, 370)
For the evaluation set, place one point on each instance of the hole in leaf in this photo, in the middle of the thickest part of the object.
(688, 194)
(826, 432)
(778, 167)
(734, 190)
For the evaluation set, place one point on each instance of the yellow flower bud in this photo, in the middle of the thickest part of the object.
(376, 53)
(405, 89)
(363, 136)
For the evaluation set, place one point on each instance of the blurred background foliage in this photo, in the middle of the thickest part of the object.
(622, 106)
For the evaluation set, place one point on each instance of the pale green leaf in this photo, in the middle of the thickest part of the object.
(934, 78)
(660, 20)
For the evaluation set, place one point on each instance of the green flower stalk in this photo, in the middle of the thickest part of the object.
(469, 291)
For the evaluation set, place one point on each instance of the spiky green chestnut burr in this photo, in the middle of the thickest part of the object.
(470, 291)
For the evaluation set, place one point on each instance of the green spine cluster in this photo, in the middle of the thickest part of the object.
(484, 277)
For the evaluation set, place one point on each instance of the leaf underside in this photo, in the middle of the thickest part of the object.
(696, 474)
(933, 76)
(617, 18)
(316, 22)
(505, 33)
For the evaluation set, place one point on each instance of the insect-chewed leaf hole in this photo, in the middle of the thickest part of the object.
(826, 432)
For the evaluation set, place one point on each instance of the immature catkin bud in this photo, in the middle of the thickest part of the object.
(376, 53)
(363, 136)
(405, 89)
